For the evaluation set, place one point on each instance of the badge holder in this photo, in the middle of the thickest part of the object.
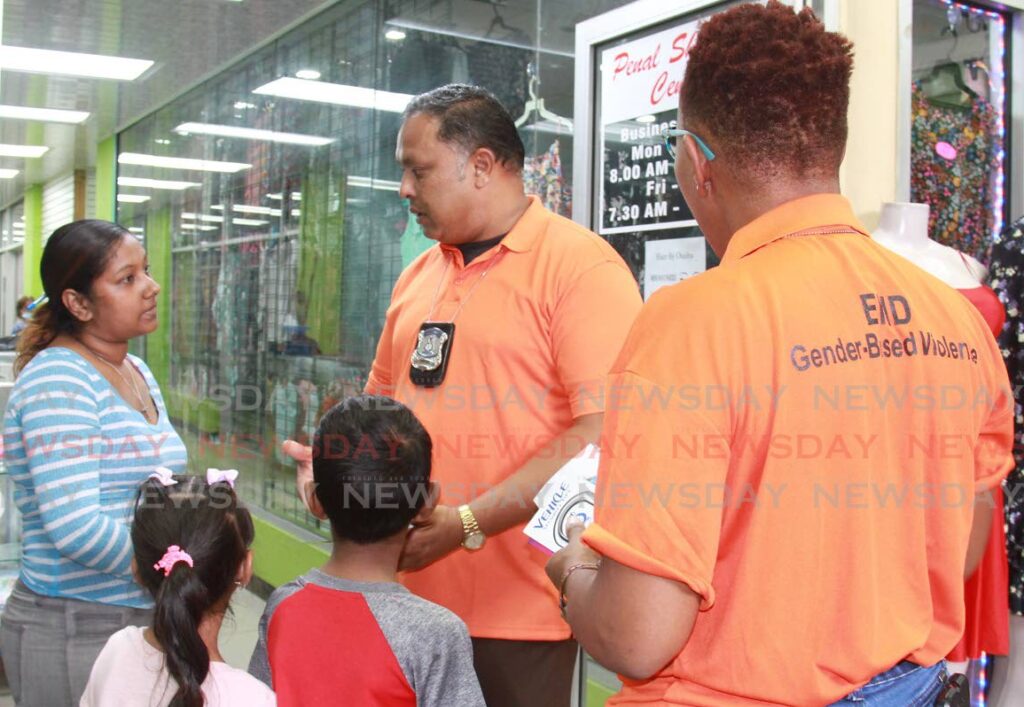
(429, 362)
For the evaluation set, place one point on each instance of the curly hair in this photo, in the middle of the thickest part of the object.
(771, 87)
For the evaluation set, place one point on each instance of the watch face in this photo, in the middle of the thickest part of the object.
(474, 541)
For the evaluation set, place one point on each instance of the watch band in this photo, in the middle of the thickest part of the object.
(470, 527)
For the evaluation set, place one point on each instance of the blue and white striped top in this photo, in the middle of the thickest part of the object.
(77, 454)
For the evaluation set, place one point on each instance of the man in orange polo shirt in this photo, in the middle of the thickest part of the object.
(499, 339)
(815, 417)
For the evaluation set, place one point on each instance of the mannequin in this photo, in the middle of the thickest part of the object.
(903, 229)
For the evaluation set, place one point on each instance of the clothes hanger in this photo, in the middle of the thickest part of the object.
(536, 104)
(945, 85)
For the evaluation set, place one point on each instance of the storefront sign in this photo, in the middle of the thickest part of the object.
(640, 84)
(669, 261)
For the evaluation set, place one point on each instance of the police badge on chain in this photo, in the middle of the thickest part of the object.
(429, 361)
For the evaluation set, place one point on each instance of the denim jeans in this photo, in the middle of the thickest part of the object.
(905, 685)
(49, 644)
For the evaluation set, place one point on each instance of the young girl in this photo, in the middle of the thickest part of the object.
(191, 540)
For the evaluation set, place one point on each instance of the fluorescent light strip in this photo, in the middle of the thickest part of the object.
(8, 173)
(251, 134)
(47, 61)
(249, 222)
(26, 151)
(44, 115)
(203, 217)
(144, 183)
(247, 209)
(438, 29)
(196, 227)
(136, 229)
(335, 93)
(373, 183)
(132, 198)
(185, 163)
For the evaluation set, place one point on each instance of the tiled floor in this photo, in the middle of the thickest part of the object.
(237, 636)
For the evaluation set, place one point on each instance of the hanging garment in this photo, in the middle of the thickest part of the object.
(413, 241)
(954, 153)
(542, 175)
(987, 627)
(1006, 275)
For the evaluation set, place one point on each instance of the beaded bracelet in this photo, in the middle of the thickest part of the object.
(562, 599)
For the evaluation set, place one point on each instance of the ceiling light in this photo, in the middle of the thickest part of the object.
(43, 115)
(247, 209)
(251, 134)
(276, 197)
(310, 74)
(249, 222)
(394, 35)
(646, 119)
(373, 183)
(132, 198)
(155, 183)
(195, 227)
(162, 141)
(46, 61)
(203, 217)
(336, 93)
(242, 105)
(181, 163)
(8, 173)
(136, 229)
(28, 151)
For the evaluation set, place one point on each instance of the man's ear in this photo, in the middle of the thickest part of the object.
(701, 165)
(433, 496)
(481, 166)
(78, 304)
(315, 507)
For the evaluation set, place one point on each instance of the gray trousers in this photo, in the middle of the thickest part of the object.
(48, 645)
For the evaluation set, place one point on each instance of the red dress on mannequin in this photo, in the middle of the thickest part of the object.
(985, 593)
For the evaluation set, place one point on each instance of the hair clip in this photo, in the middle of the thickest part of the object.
(164, 476)
(217, 476)
(173, 556)
(38, 301)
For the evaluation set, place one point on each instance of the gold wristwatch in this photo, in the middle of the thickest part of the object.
(472, 537)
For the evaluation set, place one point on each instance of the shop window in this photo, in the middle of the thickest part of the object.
(277, 259)
(959, 108)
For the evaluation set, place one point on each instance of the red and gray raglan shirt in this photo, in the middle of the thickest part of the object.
(327, 641)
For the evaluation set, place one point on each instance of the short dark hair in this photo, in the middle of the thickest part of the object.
(471, 117)
(371, 465)
(771, 87)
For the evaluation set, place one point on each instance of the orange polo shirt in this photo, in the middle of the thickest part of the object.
(534, 340)
(802, 433)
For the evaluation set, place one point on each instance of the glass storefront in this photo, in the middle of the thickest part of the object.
(12, 236)
(279, 242)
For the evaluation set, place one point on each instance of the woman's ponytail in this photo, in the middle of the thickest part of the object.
(38, 333)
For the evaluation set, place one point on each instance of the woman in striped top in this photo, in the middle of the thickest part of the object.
(84, 427)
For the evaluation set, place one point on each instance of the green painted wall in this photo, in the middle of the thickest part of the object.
(32, 251)
(158, 247)
(106, 180)
(280, 557)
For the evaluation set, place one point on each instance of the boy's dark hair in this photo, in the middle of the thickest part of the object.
(472, 117)
(208, 523)
(371, 465)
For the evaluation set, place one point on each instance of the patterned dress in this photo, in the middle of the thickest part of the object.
(1006, 275)
(954, 153)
